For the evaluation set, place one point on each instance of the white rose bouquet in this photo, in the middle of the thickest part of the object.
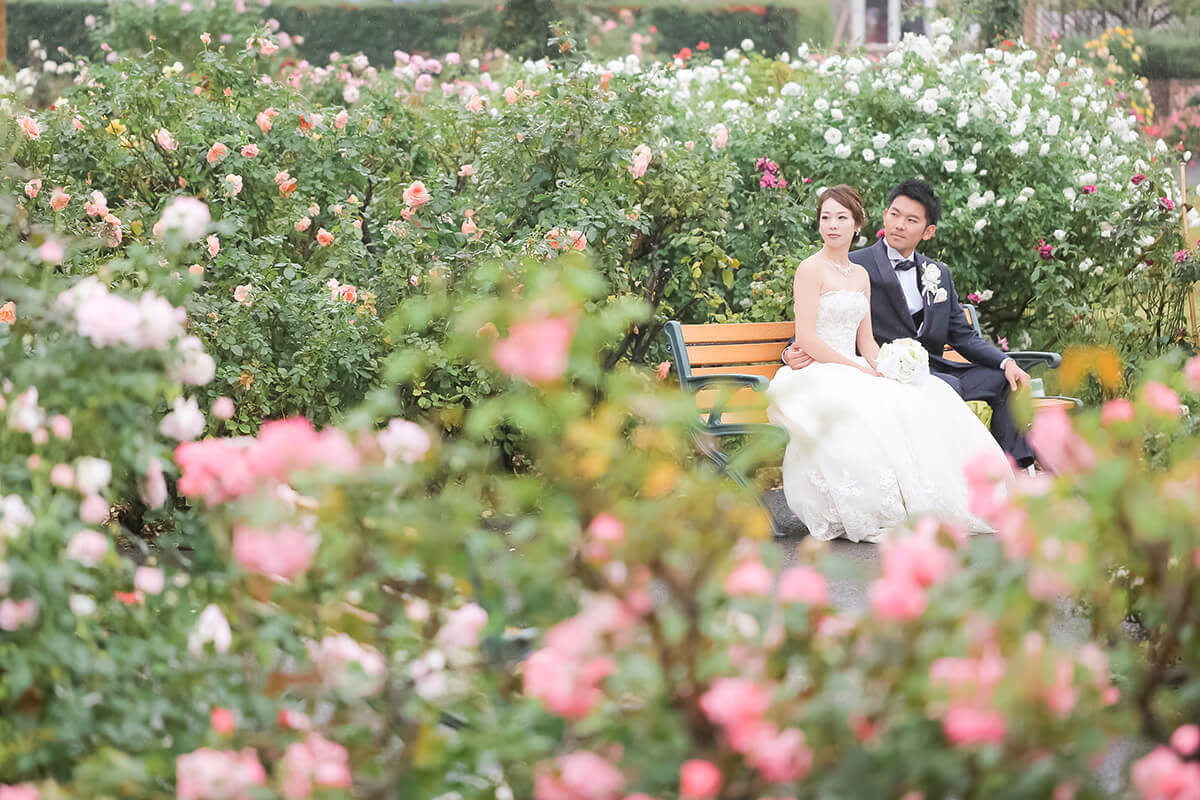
(904, 361)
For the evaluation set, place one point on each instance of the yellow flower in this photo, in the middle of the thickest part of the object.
(115, 127)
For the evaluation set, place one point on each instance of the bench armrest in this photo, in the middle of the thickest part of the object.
(758, 383)
(1032, 357)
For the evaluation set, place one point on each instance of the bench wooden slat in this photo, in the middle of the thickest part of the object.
(743, 398)
(1042, 403)
(738, 332)
(950, 354)
(760, 352)
(766, 370)
(750, 417)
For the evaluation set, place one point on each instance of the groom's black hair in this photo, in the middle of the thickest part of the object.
(920, 191)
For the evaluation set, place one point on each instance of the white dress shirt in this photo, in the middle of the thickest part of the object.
(908, 280)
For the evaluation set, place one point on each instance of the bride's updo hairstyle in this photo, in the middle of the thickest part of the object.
(846, 196)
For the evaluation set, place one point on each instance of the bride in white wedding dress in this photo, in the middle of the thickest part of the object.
(865, 453)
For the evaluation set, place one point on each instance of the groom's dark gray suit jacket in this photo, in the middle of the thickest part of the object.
(944, 321)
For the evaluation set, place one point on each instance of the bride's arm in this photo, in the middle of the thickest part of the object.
(807, 288)
(866, 336)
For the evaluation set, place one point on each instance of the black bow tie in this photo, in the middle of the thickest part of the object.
(906, 264)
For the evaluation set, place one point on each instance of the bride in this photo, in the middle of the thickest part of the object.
(865, 453)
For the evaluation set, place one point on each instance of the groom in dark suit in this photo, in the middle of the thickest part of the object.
(913, 297)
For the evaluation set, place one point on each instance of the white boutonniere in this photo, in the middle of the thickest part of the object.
(931, 283)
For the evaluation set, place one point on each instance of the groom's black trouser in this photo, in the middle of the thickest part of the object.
(988, 384)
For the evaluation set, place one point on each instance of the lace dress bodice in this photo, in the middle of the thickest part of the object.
(838, 315)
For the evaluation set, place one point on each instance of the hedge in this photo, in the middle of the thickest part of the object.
(441, 27)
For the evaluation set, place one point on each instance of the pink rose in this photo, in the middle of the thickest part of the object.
(250, 151)
(59, 199)
(88, 547)
(154, 490)
(1089, 189)
(324, 237)
(803, 585)
(897, 599)
(214, 244)
(1191, 373)
(1138, 178)
(781, 756)
(581, 775)
(244, 294)
(165, 140)
(416, 195)
(1162, 775)
(312, 763)
(222, 721)
(733, 701)
(462, 628)
(263, 119)
(567, 686)
(1057, 445)
(217, 152)
(750, 577)
(222, 408)
(16, 614)
(604, 530)
(966, 726)
(642, 156)
(1186, 739)
(699, 779)
(535, 350)
(1116, 410)
(286, 552)
(33, 187)
(303, 224)
(341, 119)
(29, 126)
(93, 510)
(51, 252)
(720, 137)
(19, 791)
(1161, 398)
(149, 580)
(208, 774)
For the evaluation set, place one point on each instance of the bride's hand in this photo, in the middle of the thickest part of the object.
(871, 371)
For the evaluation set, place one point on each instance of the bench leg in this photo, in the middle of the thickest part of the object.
(721, 461)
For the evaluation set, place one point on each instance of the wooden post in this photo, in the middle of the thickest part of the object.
(3, 34)
(1193, 323)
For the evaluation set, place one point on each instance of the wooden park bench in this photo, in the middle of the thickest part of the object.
(727, 367)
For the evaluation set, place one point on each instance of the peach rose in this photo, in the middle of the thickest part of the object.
(416, 195)
(217, 152)
(30, 127)
(8, 313)
(324, 237)
(33, 187)
(59, 199)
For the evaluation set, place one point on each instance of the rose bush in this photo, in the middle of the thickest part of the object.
(345, 609)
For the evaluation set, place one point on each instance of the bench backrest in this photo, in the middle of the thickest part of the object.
(737, 348)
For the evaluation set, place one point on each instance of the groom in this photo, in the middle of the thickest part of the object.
(913, 297)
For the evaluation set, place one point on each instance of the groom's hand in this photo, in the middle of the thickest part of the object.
(796, 358)
(1015, 375)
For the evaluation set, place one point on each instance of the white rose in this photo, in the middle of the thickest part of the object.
(212, 627)
(185, 421)
(843, 150)
(92, 475)
(880, 140)
(887, 163)
(833, 136)
(950, 166)
(868, 154)
(981, 224)
(1019, 148)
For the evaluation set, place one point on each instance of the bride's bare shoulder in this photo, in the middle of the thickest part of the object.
(810, 266)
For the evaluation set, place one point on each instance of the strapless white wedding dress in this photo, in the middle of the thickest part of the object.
(867, 453)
